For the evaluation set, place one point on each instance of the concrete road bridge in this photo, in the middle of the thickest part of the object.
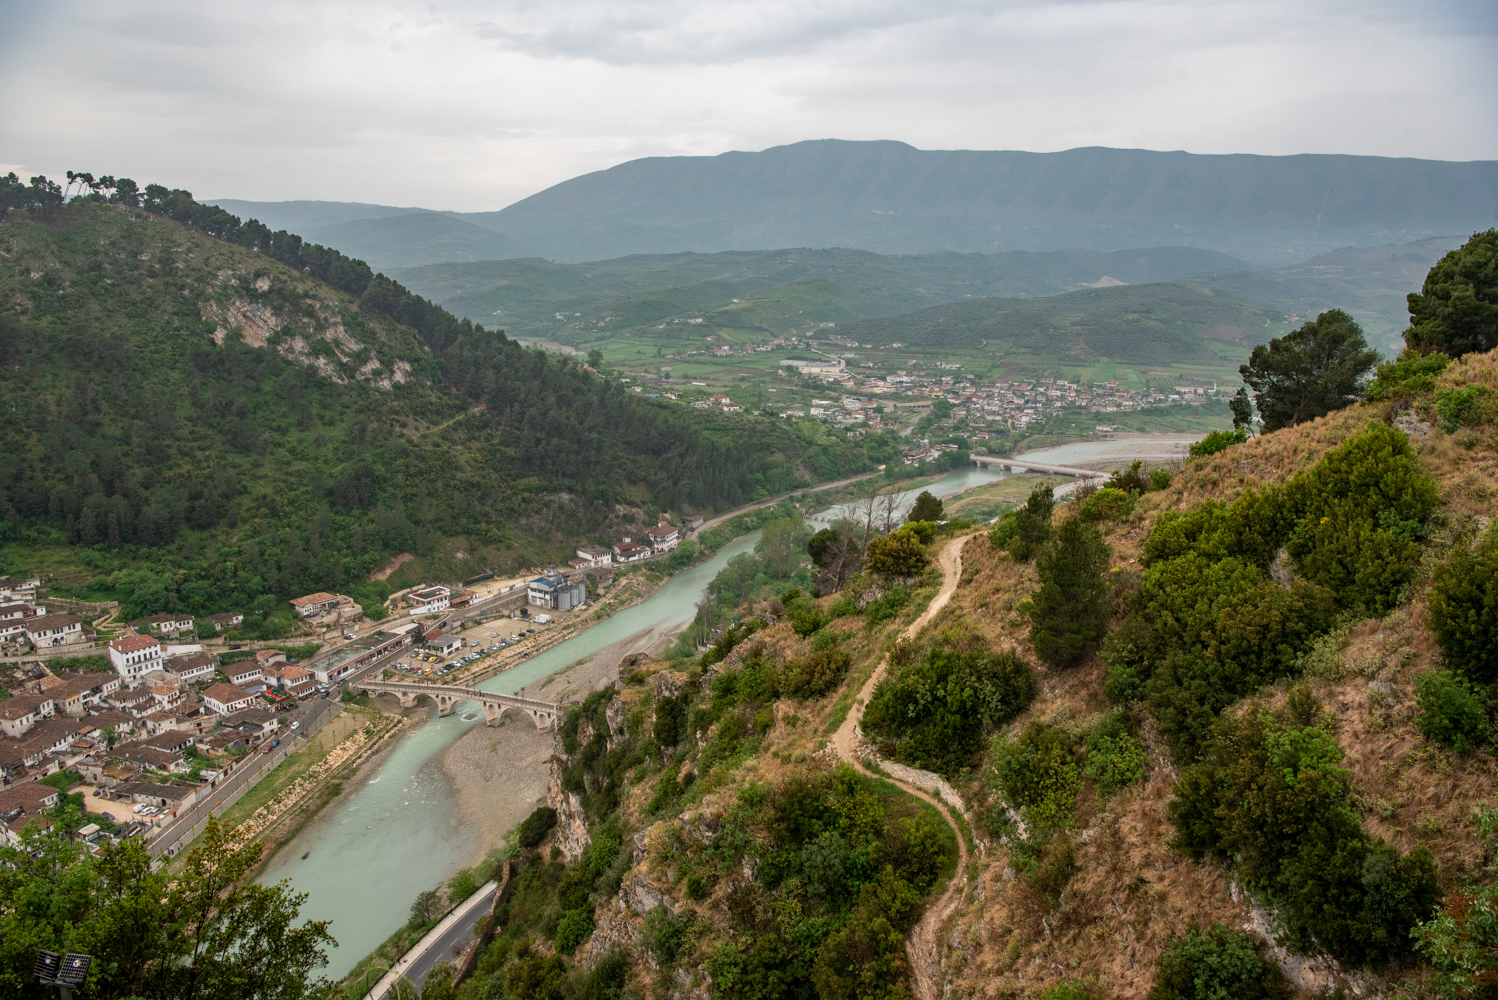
(544, 714)
(1020, 465)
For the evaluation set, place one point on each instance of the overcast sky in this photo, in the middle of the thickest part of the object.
(471, 106)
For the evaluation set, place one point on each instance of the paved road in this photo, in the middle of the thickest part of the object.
(311, 715)
(772, 501)
(447, 947)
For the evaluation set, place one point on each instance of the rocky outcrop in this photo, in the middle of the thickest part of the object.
(615, 716)
(571, 834)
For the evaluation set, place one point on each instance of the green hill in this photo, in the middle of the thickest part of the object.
(769, 293)
(415, 238)
(1162, 325)
(194, 424)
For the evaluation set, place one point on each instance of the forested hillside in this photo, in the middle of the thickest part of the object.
(1144, 324)
(197, 419)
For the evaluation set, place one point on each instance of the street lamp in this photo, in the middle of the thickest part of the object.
(66, 972)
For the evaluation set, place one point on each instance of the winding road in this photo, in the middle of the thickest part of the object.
(922, 946)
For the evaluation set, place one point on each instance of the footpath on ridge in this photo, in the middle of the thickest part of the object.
(925, 960)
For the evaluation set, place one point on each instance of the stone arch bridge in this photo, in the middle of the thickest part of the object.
(544, 714)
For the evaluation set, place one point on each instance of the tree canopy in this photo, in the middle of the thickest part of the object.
(1456, 311)
(1309, 372)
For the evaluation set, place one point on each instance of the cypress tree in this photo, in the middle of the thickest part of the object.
(1069, 614)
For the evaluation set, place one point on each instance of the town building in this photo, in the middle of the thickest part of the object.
(443, 644)
(55, 630)
(429, 599)
(663, 537)
(223, 699)
(630, 551)
(315, 604)
(192, 667)
(163, 624)
(134, 656)
(225, 619)
(247, 675)
(589, 556)
(334, 666)
(77, 694)
(295, 680)
(19, 713)
(553, 590)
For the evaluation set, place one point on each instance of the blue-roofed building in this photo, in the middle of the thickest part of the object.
(553, 590)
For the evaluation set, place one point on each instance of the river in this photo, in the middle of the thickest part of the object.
(397, 834)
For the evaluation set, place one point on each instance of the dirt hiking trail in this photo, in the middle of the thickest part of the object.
(925, 957)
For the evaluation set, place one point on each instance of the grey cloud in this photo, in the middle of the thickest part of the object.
(472, 105)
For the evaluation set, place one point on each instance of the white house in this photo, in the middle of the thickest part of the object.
(630, 551)
(663, 537)
(54, 630)
(429, 599)
(134, 656)
(225, 699)
(444, 644)
(589, 556)
(247, 675)
(315, 604)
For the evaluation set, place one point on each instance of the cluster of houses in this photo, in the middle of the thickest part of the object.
(147, 732)
(654, 541)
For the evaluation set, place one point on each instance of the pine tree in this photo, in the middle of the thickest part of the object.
(1069, 614)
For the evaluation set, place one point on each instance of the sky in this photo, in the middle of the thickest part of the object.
(472, 106)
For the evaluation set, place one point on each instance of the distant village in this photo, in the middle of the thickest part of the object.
(980, 408)
(162, 724)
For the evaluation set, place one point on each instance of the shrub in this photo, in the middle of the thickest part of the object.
(1159, 478)
(886, 606)
(536, 826)
(1271, 793)
(842, 606)
(1107, 504)
(1218, 441)
(1040, 773)
(816, 675)
(1462, 407)
(896, 556)
(666, 934)
(1462, 611)
(575, 928)
(1411, 375)
(1032, 524)
(1003, 531)
(462, 884)
(670, 720)
(1216, 964)
(1453, 712)
(1115, 756)
(1134, 479)
(865, 960)
(1069, 614)
(931, 713)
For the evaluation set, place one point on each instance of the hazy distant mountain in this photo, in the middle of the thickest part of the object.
(300, 217)
(1371, 283)
(895, 199)
(415, 238)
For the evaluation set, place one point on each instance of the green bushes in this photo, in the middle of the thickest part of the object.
(818, 674)
(1107, 504)
(1270, 795)
(1040, 773)
(1209, 625)
(1218, 441)
(1462, 612)
(1411, 375)
(1115, 756)
(1456, 311)
(1217, 964)
(536, 826)
(1069, 614)
(899, 555)
(884, 607)
(931, 714)
(1457, 408)
(840, 870)
(1025, 530)
(1453, 712)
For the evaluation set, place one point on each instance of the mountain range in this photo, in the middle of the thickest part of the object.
(892, 198)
